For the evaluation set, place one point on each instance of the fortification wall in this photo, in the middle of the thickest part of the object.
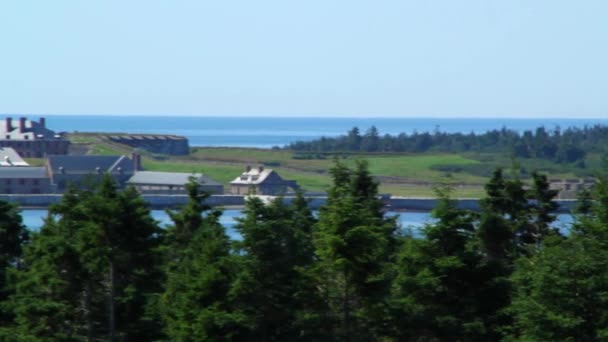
(163, 144)
(168, 201)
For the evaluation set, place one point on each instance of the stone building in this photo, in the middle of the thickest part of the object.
(24, 180)
(171, 183)
(31, 139)
(261, 181)
(77, 170)
(570, 188)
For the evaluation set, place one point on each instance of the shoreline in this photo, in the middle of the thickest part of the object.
(396, 204)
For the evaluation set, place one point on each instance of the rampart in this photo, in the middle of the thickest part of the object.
(168, 201)
(155, 143)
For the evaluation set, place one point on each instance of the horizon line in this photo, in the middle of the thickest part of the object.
(313, 116)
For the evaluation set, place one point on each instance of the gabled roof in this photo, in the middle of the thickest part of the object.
(9, 157)
(252, 177)
(169, 178)
(23, 172)
(89, 164)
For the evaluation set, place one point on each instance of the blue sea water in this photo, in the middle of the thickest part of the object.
(265, 132)
(410, 222)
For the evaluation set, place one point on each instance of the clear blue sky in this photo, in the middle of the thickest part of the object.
(515, 58)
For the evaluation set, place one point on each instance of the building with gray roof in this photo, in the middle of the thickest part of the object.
(261, 181)
(31, 139)
(150, 182)
(24, 180)
(71, 169)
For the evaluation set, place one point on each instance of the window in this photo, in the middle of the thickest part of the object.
(8, 182)
(22, 181)
(35, 181)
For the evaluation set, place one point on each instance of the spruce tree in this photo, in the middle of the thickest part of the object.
(354, 244)
(543, 207)
(13, 236)
(92, 269)
(272, 286)
(50, 301)
(560, 289)
(445, 289)
(196, 304)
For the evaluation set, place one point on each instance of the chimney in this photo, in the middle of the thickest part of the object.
(42, 122)
(136, 158)
(247, 168)
(22, 125)
(261, 168)
(9, 124)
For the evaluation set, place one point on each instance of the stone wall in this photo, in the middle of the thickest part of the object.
(155, 143)
(167, 201)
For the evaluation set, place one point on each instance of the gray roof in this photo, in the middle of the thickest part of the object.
(168, 178)
(89, 164)
(23, 172)
(251, 177)
(9, 157)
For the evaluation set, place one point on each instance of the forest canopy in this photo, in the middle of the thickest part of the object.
(566, 146)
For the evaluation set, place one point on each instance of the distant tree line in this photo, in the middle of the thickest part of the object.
(102, 269)
(568, 146)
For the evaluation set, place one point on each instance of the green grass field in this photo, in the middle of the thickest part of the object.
(406, 175)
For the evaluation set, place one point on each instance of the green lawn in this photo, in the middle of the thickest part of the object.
(418, 167)
(225, 164)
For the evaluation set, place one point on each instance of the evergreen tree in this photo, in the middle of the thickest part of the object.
(560, 289)
(354, 140)
(371, 140)
(354, 244)
(544, 206)
(91, 270)
(445, 289)
(272, 286)
(495, 232)
(196, 304)
(51, 302)
(13, 235)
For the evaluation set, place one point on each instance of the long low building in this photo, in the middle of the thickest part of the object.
(168, 183)
(77, 170)
(60, 171)
(24, 180)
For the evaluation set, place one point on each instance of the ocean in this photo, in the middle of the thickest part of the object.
(266, 132)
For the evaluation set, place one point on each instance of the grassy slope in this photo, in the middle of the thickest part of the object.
(405, 175)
